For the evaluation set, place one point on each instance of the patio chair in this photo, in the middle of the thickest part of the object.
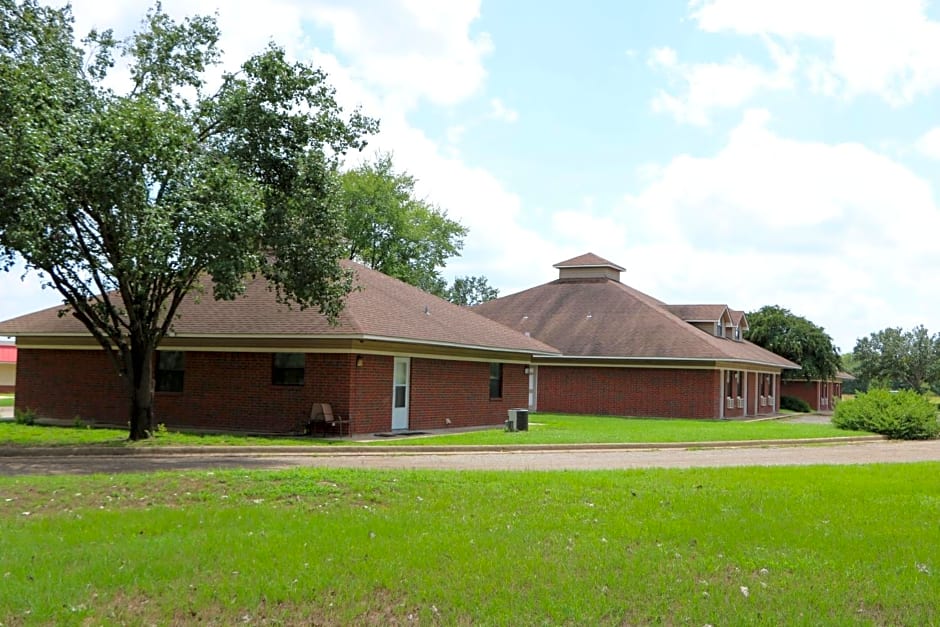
(323, 419)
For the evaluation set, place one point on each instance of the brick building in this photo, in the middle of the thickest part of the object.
(623, 352)
(397, 358)
(820, 395)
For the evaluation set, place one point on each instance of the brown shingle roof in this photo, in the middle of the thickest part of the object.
(587, 260)
(604, 318)
(737, 317)
(698, 313)
(383, 307)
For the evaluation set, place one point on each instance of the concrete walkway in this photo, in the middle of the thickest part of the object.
(582, 458)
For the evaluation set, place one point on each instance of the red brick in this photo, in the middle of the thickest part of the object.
(233, 391)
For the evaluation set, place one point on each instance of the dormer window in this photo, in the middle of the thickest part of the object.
(737, 334)
(719, 330)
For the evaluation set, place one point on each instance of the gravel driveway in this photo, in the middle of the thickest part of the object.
(584, 459)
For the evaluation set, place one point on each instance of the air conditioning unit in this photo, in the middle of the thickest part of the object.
(730, 403)
(763, 401)
(740, 403)
(518, 420)
(770, 401)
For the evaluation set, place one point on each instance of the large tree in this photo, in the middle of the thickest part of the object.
(390, 229)
(796, 338)
(122, 201)
(897, 358)
(471, 290)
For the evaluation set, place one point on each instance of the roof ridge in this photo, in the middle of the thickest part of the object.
(673, 318)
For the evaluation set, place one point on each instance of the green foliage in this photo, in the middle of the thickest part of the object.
(903, 415)
(122, 202)
(897, 358)
(471, 290)
(25, 416)
(794, 403)
(796, 338)
(392, 231)
(850, 364)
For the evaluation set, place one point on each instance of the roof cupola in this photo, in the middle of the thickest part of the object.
(588, 266)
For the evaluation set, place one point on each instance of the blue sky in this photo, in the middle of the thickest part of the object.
(746, 152)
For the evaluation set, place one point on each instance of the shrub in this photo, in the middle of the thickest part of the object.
(904, 415)
(794, 404)
(24, 416)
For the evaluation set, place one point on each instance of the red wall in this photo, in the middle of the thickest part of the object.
(65, 385)
(233, 391)
(460, 391)
(805, 390)
(662, 392)
(811, 392)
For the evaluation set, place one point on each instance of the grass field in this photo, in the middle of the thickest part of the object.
(812, 545)
(12, 434)
(562, 429)
(544, 429)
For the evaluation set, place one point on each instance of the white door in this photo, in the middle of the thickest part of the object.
(400, 379)
(533, 386)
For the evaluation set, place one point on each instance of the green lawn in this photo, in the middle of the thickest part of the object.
(543, 429)
(12, 434)
(813, 545)
(562, 429)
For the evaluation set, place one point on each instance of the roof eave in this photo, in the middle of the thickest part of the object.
(622, 358)
(326, 336)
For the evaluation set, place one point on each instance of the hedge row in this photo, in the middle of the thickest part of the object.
(903, 415)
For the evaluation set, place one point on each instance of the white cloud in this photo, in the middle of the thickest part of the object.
(829, 231)
(455, 133)
(889, 48)
(420, 48)
(705, 87)
(499, 111)
(929, 143)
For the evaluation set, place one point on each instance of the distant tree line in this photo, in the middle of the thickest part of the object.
(897, 359)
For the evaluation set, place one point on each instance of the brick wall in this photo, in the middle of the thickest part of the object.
(370, 394)
(629, 391)
(65, 385)
(753, 395)
(805, 390)
(459, 391)
(233, 391)
(812, 392)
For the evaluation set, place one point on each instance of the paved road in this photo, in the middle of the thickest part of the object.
(869, 452)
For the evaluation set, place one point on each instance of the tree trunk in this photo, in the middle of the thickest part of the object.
(141, 381)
